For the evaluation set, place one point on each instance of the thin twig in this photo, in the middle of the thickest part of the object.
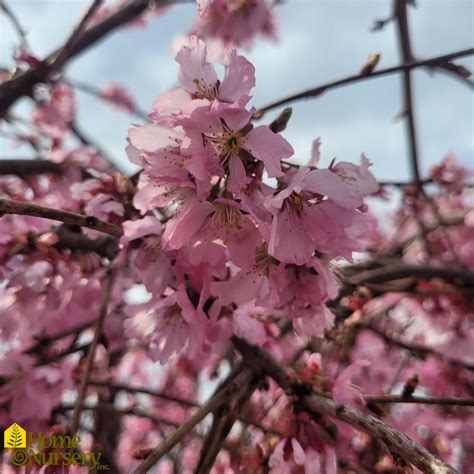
(468, 402)
(221, 395)
(87, 141)
(49, 339)
(15, 22)
(144, 390)
(318, 90)
(402, 184)
(418, 350)
(62, 55)
(50, 359)
(133, 411)
(224, 419)
(106, 293)
(94, 91)
(398, 271)
(401, 17)
(22, 208)
(171, 398)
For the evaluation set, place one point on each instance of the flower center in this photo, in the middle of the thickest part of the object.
(263, 260)
(226, 216)
(170, 314)
(227, 144)
(294, 203)
(242, 6)
(204, 90)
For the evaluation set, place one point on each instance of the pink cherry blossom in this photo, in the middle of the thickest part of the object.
(234, 22)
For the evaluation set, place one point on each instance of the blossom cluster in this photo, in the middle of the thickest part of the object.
(233, 249)
(234, 22)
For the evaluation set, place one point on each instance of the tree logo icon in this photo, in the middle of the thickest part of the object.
(14, 437)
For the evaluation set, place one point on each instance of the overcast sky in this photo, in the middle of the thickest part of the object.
(319, 40)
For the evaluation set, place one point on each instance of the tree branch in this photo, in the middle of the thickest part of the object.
(221, 395)
(133, 411)
(144, 390)
(64, 53)
(25, 167)
(418, 350)
(400, 14)
(91, 90)
(315, 405)
(105, 246)
(22, 208)
(21, 85)
(398, 271)
(15, 22)
(467, 402)
(318, 90)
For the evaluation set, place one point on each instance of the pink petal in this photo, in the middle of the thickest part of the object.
(328, 184)
(239, 78)
(289, 239)
(184, 225)
(170, 102)
(248, 327)
(268, 147)
(342, 390)
(153, 137)
(358, 177)
(277, 457)
(330, 462)
(135, 229)
(315, 153)
(237, 175)
(298, 452)
(196, 74)
(240, 289)
(235, 116)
